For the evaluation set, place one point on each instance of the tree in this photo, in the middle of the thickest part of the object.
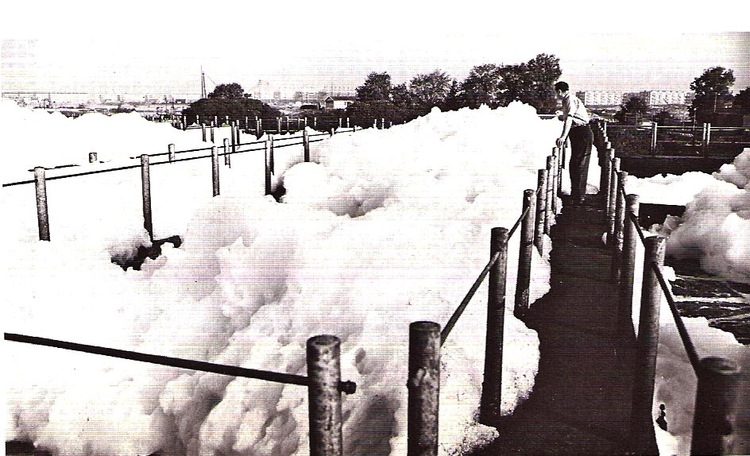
(481, 86)
(632, 110)
(377, 87)
(401, 97)
(538, 77)
(531, 83)
(453, 99)
(228, 91)
(228, 100)
(663, 117)
(741, 102)
(711, 91)
(431, 89)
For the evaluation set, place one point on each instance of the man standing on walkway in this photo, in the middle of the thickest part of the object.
(576, 127)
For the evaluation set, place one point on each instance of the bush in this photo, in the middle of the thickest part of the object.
(234, 108)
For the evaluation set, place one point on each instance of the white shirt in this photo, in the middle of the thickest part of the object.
(573, 107)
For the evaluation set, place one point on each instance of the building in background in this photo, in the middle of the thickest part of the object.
(600, 97)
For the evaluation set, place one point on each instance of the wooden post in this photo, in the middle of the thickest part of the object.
(93, 157)
(523, 280)
(541, 204)
(557, 153)
(315, 123)
(258, 132)
(340, 122)
(268, 168)
(424, 388)
(375, 123)
(382, 123)
(606, 164)
(213, 139)
(278, 125)
(171, 152)
(42, 212)
(271, 163)
(630, 241)
(203, 132)
(644, 374)
(489, 408)
(555, 182)
(306, 145)
(612, 199)
(654, 127)
(324, 395)
(618, 239)
(548, 214)
(226, 150)
(715, 419)
(347, 122)
(215, 169)
(146, 192)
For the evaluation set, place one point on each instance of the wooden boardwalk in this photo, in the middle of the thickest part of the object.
(582, 395)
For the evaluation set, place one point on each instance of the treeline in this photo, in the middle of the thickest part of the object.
(493, 85)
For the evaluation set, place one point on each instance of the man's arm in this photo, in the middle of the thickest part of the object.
(567, 123)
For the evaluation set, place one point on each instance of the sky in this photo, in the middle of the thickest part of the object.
(159, 48)
(385, 227)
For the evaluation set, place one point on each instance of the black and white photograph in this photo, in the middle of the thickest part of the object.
(375, 229)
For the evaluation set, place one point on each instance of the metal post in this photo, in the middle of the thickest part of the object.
(278, 125)
(146, 187)
(523, 280)
(654, 127)
(213, 138)
(617, 240)
(489, 410)
(627, 270)
(714, 424)
(93, 157)
(215, 169)
(541, 204)
(644, 374)
(424, 388)
(203, 132)
(306, 145)
(171, 152)
(324, 373)
(42, 213)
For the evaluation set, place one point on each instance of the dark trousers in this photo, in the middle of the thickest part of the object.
(581, 140)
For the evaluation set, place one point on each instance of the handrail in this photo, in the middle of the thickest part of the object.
(122, 168)
(470, 294)
(681, 329)
(347, 387)
(461, 307)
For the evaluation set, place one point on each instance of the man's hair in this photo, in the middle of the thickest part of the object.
(562, 86)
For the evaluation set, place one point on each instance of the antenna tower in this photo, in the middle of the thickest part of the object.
(203, 84)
